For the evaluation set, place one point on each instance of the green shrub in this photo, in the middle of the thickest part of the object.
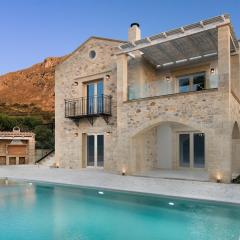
(44, 135)
(236, 180)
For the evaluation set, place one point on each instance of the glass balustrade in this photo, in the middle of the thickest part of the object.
(167, 87)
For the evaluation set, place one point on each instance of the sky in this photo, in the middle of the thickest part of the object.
(31, 30)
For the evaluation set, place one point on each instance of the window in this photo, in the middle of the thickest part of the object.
(194, 82)
(95, 100)
(184, 85)
(184, 150)
(199, 150)
(95, 150)
(92, 54)
(192, 150)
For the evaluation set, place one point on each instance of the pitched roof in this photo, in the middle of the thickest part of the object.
(90, 38)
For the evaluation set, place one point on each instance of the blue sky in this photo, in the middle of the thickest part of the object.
(31, 30)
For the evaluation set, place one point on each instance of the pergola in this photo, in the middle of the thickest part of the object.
(182, 45)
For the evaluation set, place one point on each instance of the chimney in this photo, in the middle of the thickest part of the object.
(134, 32)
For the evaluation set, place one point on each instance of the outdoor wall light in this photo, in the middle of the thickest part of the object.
(107, 76)
(76, 134)
(108, 133)
(123, 172)
(219, 179)
(167, 78)
(212, 70)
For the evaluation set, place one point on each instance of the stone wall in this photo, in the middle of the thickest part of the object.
(199, 110)
(71, 78)
(130, 136)
(235, 124)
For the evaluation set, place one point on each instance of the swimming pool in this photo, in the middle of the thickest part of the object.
(55, 212)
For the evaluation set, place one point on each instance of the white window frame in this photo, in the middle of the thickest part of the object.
(191, 76)
(191, 165)
(95, 150)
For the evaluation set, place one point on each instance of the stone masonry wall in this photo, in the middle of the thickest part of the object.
(71, 76)
(199, 110)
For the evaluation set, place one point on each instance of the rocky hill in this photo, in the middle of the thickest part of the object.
(29, 91)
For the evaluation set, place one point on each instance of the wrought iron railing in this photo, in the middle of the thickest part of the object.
(88, 106)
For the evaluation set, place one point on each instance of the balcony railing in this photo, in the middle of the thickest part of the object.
(88, 107)
(163, 87)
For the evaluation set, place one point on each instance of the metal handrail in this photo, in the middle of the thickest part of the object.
(88, 106)
(44, 156)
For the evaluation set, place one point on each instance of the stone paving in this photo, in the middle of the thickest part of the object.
(100, 179)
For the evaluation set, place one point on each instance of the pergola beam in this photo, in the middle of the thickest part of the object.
(185, 31)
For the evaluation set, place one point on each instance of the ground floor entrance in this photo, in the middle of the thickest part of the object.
(191, 147)
(95, 150)
(170, 149)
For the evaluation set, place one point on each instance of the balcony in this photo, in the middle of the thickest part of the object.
(89, 107)
(166, 87)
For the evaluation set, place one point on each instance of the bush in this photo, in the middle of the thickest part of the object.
(44, 135)
(236, 180)
(26, 123)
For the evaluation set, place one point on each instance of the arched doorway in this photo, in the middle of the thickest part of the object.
(169, 147)
(236, 149)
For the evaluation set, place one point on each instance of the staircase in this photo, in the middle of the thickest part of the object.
(47, 160)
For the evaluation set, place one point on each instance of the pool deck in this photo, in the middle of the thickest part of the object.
(100, 179)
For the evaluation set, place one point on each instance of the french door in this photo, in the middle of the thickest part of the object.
(192, 150)
(95, 97)
(95, 150)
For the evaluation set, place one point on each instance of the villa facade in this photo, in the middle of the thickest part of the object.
(165, 102)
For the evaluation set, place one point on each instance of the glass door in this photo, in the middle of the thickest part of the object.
(100, 99)
(199, 150)
(192, 150)
(184, 150)
(95, 98)
(95, 150)
(100, 150)
(90, 98)
(90, 150)
(193, 82)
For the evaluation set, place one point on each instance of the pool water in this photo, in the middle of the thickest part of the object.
(55, 212)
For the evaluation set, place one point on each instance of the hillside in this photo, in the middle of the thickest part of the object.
(29, 91)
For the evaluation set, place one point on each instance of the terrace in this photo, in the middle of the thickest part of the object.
(167, 52)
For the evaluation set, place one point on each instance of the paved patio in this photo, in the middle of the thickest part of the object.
(180, 174)
(101, 179)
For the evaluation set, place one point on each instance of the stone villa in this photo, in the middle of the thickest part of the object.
(168, 102)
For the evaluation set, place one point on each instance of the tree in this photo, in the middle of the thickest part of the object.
(44, 137)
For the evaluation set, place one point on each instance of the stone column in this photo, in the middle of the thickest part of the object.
(122, 69)
(31, 150)
(219, 145)
(224, 67)
(122, 149)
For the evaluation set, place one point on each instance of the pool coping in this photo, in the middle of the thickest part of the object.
(72, 185)
(192, 190)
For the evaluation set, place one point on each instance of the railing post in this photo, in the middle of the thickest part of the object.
(102, 104)
(110, 104)
(65, 106)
